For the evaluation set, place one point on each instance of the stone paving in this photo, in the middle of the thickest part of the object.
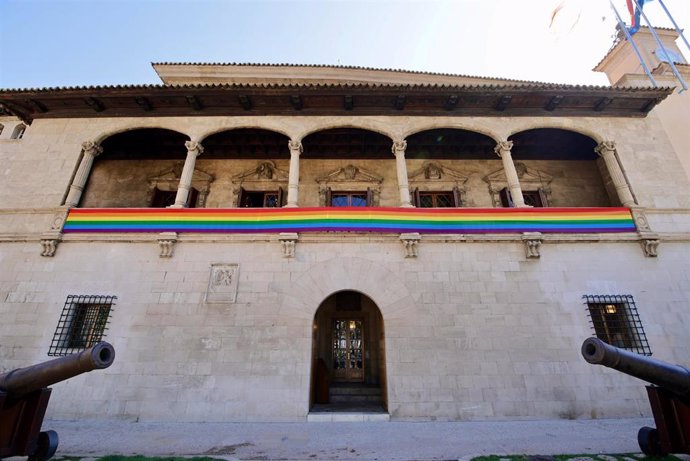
(395, 441)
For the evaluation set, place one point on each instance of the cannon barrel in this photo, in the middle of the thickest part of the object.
(673, 378)
(22, 381)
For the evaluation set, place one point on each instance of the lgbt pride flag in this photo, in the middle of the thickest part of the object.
(392, 220)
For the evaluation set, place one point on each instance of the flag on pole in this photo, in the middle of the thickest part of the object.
(635, 15)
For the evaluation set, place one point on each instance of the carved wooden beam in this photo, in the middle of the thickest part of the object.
(503, 103)
(452, 102)
(348, 103)
(95, 104)
(602, 104)
(553, 103)
(650, 104)
(144, 103)
(296, 101)
(245, 102)
(400, 101)
(38, 105)
(194, 102)
(17, 111)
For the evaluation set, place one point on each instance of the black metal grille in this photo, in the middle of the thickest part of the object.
(615, 321)
(82, 323)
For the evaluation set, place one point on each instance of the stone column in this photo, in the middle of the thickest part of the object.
(607, 151)
(194, 149)
(293, 177)
(91, 151)
(502, 149)
(401, 168)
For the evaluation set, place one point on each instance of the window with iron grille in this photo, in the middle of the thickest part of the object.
(615, 321)
(82, 324)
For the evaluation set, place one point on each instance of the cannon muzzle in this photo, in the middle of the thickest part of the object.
(25, 380)
(673, 378)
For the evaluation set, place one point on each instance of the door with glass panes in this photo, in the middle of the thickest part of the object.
(348, 350)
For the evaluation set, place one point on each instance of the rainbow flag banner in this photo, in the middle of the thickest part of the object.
(393, 220)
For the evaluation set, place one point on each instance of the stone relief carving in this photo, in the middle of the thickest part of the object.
(166, 243)
(532, 242)
(222, 283)
(350, 177)
(49, 246)
(410, 242)
(265, 176)
(288, 241)
(650, 245)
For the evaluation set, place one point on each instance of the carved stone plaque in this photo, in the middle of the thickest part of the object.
(222, 283)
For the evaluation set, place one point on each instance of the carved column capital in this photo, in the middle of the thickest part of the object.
(91, 148)
(605, 147)
(194, 147)
(295, 146)
(399, 147)
(502, 147)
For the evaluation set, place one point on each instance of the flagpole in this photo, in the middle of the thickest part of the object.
(678, 29)
(658, 41)
(632, 42)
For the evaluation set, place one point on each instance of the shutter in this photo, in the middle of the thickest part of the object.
(328, 197)
(456, 197)
(280, 196)
(370, 197)
(506, 199)
(192, 198)
(542, 197)
(241, 197)
(417, 200)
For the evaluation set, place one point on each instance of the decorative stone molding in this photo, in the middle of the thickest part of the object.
(49, 244)
(168, 180)
(435, 177)
(350, 178)
(288, 241)
(531, 179)
(222, 283)
(411, 242)
(650, 245)
(502, 147)
(399, 146)
(640, 218)
(532, 242)
(264, 177)
(194, 147)
(166, 242)
(295, 145)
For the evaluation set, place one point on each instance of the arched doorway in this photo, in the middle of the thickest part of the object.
(348, 355)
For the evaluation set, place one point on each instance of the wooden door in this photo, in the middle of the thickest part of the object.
(348, 350)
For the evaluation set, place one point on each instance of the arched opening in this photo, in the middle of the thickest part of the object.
(246, 143)
(445, 167)
(138, 168)
(559, 168)
(347, 143)
(348, 355)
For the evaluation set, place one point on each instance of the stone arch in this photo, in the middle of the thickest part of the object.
(347, 142)
(138, 126)
(564, 124)
(464, 125)
(358, 125)
(246, 143)
(538, 143)
(450, 143)
(244, 126)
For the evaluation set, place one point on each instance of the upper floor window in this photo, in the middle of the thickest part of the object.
(18, 132)
(166, 198)
(534, 198)
(615, 321)
(437, 199)
(261, 199)
(349, 199)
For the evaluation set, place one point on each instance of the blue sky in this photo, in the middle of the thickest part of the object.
(46, 43)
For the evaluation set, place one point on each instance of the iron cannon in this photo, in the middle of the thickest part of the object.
(24, 396)
(669, 395)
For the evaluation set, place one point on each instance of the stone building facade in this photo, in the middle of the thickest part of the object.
(214, 323)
